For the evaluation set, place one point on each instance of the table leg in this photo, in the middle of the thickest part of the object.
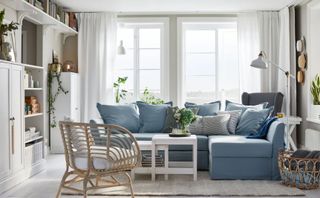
(291, 142)
(195, 160)
(153, 162)
(166, 160)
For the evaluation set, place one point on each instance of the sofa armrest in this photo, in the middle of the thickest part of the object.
(276, 137)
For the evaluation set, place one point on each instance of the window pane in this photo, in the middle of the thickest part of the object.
(200, 64)
(125, 61)
(127, 36)
(150, 79)
(125, 73)
(150, 59)
(200, 89)
(200, 40)
(149, 38)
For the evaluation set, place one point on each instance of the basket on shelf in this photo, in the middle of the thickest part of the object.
(303, 173)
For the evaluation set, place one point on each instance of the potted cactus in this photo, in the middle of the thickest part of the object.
(315, 92)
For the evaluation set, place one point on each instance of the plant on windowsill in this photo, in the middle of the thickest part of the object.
(315, 92)
(184, 117)
(120, 94)
(149, 98)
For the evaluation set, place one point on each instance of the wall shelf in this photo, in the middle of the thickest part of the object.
(38, 16)
(33, 115)
(33, 67)
(33, 139)
(33, 89)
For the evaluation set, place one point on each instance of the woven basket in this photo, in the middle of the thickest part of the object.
(302, 173)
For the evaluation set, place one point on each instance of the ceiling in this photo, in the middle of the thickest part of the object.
(173, 5)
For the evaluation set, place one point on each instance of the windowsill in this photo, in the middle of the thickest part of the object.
(313, 120)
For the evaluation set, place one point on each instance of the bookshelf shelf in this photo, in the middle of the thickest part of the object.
(37, 16)
(33, 115)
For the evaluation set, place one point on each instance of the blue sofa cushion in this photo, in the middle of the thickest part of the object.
(239, 146)
(251, 121)
(152, 117)
(232, 106)
(201, 139)
(123, 115)
(208, 109)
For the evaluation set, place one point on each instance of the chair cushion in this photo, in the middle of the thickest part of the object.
(98, 163)
(239, 146)
(152, 117)
(122, 115)
(208, 109)
(201, 139)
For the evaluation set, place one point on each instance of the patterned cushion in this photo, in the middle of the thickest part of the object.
(210, 125)
(233, 121)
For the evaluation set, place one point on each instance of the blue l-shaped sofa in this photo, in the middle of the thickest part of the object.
(234, 156)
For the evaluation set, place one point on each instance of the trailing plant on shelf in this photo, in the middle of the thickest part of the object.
(149, 98)
(184, 117)
(4, 30)
(120, 94)
(54, 75)
(315, 90)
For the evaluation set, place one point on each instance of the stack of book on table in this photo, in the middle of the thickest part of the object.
(146, 160)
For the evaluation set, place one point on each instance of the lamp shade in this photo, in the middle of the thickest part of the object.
(259, 62)
(121, 49)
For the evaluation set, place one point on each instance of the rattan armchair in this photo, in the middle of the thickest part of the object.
(96, 155)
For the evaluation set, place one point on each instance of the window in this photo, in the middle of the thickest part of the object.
(145, 60)
(209, 62)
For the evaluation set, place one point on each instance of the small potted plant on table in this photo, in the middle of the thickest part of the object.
(184, 117)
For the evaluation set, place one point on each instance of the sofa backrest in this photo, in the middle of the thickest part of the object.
(274, 99)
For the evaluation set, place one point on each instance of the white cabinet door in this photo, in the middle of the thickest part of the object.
(4, 121)
(16, 114)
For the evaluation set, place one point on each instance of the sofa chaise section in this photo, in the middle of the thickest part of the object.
(237, 157)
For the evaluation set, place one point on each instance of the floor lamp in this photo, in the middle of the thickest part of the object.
(261, 63)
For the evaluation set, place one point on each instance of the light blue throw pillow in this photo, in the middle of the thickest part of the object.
(207, 109)
(232, 106)
(122, 115)
(152, 117)
(251, 121)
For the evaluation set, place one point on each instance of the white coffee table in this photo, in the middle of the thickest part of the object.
(147, 146)
(163, 140)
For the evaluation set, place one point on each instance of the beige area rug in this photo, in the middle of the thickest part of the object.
(184, 186)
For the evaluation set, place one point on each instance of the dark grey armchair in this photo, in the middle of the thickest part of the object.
(273, 98)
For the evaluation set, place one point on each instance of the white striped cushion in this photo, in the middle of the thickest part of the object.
(210, 125)
(233, 121)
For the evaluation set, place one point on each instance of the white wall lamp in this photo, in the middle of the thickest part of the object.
(121, 49)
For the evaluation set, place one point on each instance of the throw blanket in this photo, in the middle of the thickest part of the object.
(263, 131)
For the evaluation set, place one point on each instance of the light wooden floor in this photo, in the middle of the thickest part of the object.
(45, 184)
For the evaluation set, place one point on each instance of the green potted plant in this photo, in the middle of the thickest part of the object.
(150, 99)
(315, 92)
(184, 117)
(120, 93)
(4, 30)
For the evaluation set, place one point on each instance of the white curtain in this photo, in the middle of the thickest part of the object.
(96, 52)
(269, 43)
(248, 49)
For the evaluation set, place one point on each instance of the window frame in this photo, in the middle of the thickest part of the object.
(200, 23)
(157, 22)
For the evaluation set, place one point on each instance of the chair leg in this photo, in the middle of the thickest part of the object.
(130, 185)
(85, 185)
(65, 175)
